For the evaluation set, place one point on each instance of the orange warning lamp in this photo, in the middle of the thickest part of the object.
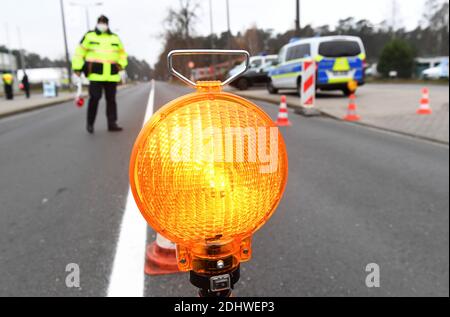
(352, 85)
(207, 171)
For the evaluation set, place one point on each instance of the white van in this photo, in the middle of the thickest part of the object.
(256, 74)
(340, 60)
(439, 71)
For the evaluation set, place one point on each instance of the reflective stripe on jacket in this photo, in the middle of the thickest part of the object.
(7, 78)
(100, 56)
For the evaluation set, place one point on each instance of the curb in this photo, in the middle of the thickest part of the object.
(36, 107)
(299, 109)
(49, 103)
(265, 99)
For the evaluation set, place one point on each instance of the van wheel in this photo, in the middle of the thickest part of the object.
(271, 89)
(299, 86)
(242, 84)
(347, 92)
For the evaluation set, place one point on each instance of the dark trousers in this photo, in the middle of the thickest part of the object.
(95, 94)
(9, 92)
(26, 89)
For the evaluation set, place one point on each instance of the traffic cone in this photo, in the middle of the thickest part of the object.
(283, 120)
(351, 110)
(424, 107)
(161, 257)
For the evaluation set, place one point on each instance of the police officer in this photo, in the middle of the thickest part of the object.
(8, 81)
(100, 56)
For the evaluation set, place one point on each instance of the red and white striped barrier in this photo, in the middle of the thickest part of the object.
(308, 93)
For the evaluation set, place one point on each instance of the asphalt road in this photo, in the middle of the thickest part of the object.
(354, 196)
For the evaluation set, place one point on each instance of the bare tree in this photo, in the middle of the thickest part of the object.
(430, 7)
(181, 21)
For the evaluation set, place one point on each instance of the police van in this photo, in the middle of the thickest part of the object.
(340, 60)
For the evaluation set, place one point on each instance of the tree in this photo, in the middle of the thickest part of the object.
(138, 69)
(429, 38)
(181, 22)
(397, 55)
(437, 21)
(346, 26)
(430, 8)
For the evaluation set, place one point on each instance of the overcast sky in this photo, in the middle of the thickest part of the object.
(139, 22)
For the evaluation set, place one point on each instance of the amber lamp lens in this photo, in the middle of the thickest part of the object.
(208, 167)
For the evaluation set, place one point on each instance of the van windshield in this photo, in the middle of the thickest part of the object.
(339, 48)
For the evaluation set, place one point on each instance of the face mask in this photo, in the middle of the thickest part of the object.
(102, 27)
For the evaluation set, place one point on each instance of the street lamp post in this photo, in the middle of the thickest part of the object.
(86, 7)
(229, 31)
(297, 19)
(22, 58)
(211, 30)
(228, 24)
(69, 68)
(8, 45)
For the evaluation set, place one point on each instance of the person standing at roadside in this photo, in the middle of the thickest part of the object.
(8, 81)
(101, 56)
(26, 85)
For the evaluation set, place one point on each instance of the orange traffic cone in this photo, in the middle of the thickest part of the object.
(161, 257)
(283, 120)
(424, 107)
(351, 110)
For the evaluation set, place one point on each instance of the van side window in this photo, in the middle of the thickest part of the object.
(256, 63)
(298, 51)
(281, 57)
(304, 51)
(290, 53)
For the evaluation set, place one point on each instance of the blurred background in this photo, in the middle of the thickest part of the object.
(411, 35)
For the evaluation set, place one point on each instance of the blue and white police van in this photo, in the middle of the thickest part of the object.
(340, 61)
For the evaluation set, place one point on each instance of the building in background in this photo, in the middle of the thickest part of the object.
(8, 63)
(37, 76)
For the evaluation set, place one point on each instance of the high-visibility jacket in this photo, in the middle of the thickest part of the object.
(7, 79)
(100, 56)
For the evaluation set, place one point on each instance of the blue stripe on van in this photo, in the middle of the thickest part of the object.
(286, 69)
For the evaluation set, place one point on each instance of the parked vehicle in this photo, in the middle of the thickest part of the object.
(372, 71)
(340, 60)
(439, 71)
(256, 74)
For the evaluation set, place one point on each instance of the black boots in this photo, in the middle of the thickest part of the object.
(114, 127)
(111, 127)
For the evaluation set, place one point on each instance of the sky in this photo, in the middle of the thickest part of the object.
(139, 23)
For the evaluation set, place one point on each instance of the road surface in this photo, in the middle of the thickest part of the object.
(391, 107)
(355, 196)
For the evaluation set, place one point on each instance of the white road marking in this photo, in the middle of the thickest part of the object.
(127, 276)
(150, 103)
